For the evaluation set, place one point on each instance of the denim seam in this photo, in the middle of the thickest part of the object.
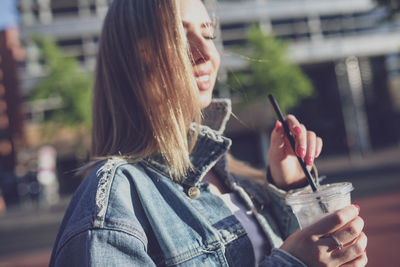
(199, 252)
(282, 254)
(67, 240)
(192, 254)
(69, 236)
(237, 234)
(107, 173)
(204, 217)
(131, 230)
(96, 229)
(236, 238)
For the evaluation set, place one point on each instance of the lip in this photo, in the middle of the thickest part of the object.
(199, 73)
(203, 79)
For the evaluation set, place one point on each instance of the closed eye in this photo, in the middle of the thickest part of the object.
(210, 37)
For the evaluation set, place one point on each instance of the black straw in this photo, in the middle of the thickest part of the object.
(291, 140)
(303, 165)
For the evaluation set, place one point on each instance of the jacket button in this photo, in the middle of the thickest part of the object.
(193, 192)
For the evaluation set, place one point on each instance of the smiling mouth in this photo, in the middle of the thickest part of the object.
(204, 78)
(204, 82)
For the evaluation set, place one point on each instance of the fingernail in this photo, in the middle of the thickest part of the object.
(277, 126)
(297, 130)
(358, 207)
(309, 160)
(301, 152)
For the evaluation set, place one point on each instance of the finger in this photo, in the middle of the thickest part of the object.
(334, 221)
(360, 261)
(301, 141)
(318, 147)
(311, 146)
(351, 251)
(292, 121)
(278, 135)
(299, 134)
(350, 231)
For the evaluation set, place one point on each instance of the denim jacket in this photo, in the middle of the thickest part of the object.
(133, 214)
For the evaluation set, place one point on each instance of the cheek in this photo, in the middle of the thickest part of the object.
(216, 59)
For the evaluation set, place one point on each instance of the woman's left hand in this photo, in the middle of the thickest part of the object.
(284, 166)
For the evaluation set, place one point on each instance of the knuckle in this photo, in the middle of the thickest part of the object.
(290, 117)
(311, 134)
(360, 221)
(358, 248)
(362, 261)
(364, 239)
(339, 218)
(353, 229)
(313, 238)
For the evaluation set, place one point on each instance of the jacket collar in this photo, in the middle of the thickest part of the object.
(217, 114)
(210, 145)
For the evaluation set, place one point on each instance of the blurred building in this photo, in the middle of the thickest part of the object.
(75, 24)
(350, 52)
(346, 47)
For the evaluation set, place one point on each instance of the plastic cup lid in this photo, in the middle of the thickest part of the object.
(324, 192)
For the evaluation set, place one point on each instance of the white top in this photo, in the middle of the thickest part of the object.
(249, 224)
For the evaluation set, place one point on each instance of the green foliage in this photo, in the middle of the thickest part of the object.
(65, 79)
(270, 71)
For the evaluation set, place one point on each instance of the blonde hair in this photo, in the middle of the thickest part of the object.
(145, 96)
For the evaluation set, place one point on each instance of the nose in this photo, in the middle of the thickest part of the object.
(199, 48)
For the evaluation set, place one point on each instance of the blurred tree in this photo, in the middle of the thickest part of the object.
(270, 71)
(64, 79)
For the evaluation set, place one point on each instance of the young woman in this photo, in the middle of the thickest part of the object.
(162, 192)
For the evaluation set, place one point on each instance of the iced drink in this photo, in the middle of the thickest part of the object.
(306, 204)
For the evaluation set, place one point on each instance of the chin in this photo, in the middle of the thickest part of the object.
(205, 100)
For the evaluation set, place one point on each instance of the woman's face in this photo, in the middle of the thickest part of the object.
(200, 34)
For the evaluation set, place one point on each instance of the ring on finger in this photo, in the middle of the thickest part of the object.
(339, 245)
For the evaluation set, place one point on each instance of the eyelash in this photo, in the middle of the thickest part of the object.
(210, 37)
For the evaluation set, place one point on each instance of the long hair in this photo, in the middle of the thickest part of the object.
(145, 93)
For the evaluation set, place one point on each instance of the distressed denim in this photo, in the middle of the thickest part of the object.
(133, 214)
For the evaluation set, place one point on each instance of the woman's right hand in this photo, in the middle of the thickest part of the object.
(314, 246)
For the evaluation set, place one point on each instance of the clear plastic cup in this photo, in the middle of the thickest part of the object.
(306, 204)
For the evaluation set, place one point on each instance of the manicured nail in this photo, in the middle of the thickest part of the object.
(277, 126)
(301, 152)
(358, 207)
(309, 160)
(297, 130)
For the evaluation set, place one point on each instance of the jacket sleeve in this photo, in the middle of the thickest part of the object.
(281, 258)
(103, 247)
